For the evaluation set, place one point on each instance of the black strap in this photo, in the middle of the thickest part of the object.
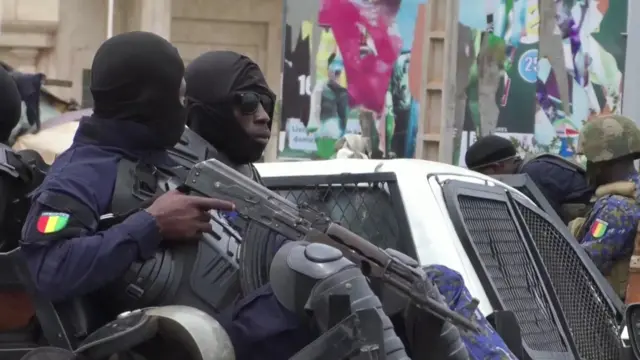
(145, 181)
(50, 353)
(558, 160)
(255, 175)
(137, 188)
(192, 149)
(12, 164)
(135, 182)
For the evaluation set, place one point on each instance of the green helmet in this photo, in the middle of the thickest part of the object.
(609, 137)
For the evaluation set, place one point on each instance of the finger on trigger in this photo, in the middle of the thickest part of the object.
(215, 204)
(204, 217)
(173, 191)
(205, 228)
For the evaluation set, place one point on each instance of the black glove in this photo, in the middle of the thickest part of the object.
(430, 338)
(427, 336)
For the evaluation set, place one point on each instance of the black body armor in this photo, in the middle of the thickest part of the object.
(577, 202)
(204, 276)
(555, 159)
(21, 172)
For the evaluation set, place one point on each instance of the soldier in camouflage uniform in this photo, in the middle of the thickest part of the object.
(611, 144)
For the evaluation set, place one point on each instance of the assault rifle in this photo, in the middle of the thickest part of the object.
(255, 202)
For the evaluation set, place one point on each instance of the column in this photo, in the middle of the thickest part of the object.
(630, 106)
(156, 17)
(24, 59)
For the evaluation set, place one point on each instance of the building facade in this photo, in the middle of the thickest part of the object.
(60, 37)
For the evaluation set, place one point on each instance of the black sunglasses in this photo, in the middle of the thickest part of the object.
(247, 102)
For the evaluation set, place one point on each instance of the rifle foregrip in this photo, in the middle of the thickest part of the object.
(450, 339)
(447, 345)
(353, 283)
(304, 276)
(452, 342)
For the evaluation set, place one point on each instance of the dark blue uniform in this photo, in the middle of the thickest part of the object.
(260, 328)
(558, 184)
(76, 259)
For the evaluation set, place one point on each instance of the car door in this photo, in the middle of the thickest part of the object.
(531, 265)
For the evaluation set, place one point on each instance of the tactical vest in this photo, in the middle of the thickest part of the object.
(203, 275)
(625, 273)
(575, 206)
(23, 172)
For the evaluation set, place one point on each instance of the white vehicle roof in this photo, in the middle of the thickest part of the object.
(423, 200)
(405, 169)
(362, 166)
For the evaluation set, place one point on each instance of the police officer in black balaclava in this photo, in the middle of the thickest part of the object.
(230, 106)
(138, 91)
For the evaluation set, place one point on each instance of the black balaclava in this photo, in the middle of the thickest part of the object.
(10, 105)
(136, 76)
(213, 77)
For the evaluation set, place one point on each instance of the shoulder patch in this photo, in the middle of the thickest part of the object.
(598, 228)
(50, 222)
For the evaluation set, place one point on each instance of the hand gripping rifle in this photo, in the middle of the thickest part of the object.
(255, 202)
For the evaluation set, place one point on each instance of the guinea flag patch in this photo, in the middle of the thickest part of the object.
(598, 228)
(50, 222)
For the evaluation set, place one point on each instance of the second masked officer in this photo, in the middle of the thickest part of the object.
(231, 107)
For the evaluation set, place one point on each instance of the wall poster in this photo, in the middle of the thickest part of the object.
(529, 96)
(348, 69)
(353, 66)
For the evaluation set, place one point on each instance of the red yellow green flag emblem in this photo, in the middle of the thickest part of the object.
(50, 222)
(598, 228)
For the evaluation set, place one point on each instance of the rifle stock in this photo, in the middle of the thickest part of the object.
(255, 202)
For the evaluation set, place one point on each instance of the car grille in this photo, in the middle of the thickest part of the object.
(499, 246)
(592, 321)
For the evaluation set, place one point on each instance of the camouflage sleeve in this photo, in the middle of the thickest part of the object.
(610, 234)
(486, 344)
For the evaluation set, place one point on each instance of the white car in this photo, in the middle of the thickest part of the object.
(512, 255)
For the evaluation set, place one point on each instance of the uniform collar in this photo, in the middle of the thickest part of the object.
(127, 137)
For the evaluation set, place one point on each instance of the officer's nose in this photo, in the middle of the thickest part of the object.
(261, 116)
